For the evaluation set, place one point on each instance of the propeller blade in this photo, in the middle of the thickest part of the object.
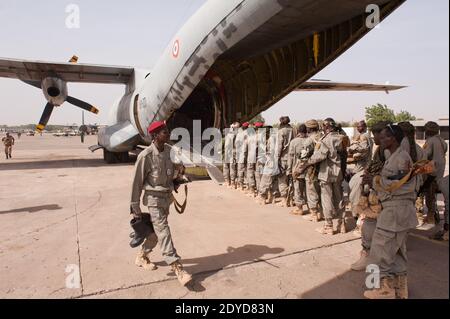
(36, 84)
(82, 105)
(45, 117)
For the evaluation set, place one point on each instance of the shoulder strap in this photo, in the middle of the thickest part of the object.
(180, 208)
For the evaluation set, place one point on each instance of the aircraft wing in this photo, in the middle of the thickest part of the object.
(336, 86)
(32, 71)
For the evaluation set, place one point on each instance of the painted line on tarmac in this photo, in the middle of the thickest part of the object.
(259, 260)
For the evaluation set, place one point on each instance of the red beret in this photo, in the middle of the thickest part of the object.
(246, 124)
(155, 126)
(259, 124)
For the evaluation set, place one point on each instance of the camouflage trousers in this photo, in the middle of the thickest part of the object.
(241, 172)
(8, 150)
(252, 181)
(430, 194)
(299, 198)
(444, 188)
(159, 216)
(388, 252)
(312, 192)
(355, 190)
(282, 179)
(267, 185)
(229, 172)
(367, 230)
(258, 174)
(332, 199)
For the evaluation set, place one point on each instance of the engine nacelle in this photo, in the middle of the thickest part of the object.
(55, 90)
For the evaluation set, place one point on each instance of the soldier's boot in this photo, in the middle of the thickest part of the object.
(270, 198)
(445, 236)
(261, 200)
(327, 228)
(183, 276)
(401, 287)
(442, 234)
(362, 262)
(319, 217)
(250, 192)
(234, 185)
(143, 261)
(386, 290)
(313, 216)
(283, 202)
(341, 228)
(297, 211)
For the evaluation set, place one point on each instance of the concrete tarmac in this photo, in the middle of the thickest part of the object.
(62, 209)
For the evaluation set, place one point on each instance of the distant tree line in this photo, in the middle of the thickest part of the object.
(380, 112)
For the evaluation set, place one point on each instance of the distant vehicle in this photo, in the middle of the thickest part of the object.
(30, 133)
(60, 133)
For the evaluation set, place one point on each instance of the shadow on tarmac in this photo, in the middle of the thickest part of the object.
(427, 275)
(233, 256)
(31, 210)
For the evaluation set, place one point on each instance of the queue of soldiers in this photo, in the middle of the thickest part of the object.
(390, 179)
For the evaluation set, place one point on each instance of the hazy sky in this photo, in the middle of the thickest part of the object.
(410, 48)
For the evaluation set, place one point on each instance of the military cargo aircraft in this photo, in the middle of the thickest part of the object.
(232, 60)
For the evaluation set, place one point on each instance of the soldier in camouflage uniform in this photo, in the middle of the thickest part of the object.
(360, 155)
(251, 160)
(154, 174)
(285, 135)
(435, 149)
(368, 224)
(327, 154)
(8, 142)
(397, 218)
(229, 164)
(263, 135)
(311, 175)
(241, 155)
(253, 174)
(271, 168)
(300, 149)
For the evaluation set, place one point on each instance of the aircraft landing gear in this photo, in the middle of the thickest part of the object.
(115, 158)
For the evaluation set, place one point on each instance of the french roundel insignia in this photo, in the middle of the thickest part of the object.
(176, 49)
